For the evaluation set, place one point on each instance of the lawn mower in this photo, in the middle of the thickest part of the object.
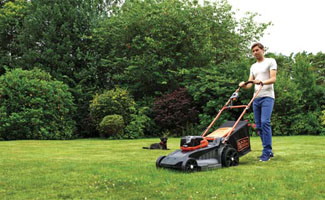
(220, 148)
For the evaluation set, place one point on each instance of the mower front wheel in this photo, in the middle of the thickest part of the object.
(230, 157)
(190, 165)
(158, 161)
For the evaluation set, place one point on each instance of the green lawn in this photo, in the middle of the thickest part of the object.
(121, 169)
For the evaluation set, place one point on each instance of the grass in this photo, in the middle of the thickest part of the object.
(121, 169)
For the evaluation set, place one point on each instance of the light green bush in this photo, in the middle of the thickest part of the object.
(112, 102)
(111, 125)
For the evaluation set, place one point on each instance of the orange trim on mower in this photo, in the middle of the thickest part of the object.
(203, 143)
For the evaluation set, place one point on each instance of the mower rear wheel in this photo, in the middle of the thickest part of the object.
(158, 161)
(190, 165)
(230, 157)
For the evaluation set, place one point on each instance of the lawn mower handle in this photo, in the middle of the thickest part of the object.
(226, 106)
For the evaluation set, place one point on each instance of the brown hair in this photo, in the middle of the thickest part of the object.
(257, 44)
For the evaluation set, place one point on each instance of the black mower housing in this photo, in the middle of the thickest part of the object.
(217, 154)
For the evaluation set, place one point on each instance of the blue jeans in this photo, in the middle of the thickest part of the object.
(262, 108)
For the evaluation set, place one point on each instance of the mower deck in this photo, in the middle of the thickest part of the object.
(215, 155)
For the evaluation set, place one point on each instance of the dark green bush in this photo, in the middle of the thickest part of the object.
(33, 106)
(298, 100)
(323, 118)
(323, 122)
(307, 124)
(111, 126)
(288, 104)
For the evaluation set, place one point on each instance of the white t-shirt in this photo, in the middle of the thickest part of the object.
(261, 71)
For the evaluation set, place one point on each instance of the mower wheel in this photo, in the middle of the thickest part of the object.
(158, 161)
(230, 157)
(190, 165)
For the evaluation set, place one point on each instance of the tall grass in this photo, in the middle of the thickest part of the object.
(121, 169)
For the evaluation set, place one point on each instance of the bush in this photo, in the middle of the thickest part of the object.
(33, 106)
(111, 125)
(288, 104)
(112, 102)
(297, 102)
(139, 122)
(175, 110)
(323, 118)
(307, 124)
(323, 122)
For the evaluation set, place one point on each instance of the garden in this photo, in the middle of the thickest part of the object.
(84, 85)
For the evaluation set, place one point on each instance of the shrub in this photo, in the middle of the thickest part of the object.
(112, 102)
(33, 106)
(323, 122)
(288, 104)
(139, 122)
(306, 124)
(323, 118)
(111, 125)
(175, 110)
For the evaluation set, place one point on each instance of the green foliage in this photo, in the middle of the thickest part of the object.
(138, 125)
(323, 122)
(306, 124)
(152, 48)
(323, 118)
(111, 125)
(318, 65)
(33, 106)
(305, 76)
(298, 100)
(12, 15)
(153, 43)
(112, 102)
(287, 104)
(212, 87)
(56, 36)
(118, 102)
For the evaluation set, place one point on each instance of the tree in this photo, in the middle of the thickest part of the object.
(305, 78)
(298, 98)
(318, 64)
(147, 46)
(57, 37)
(12, 14)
